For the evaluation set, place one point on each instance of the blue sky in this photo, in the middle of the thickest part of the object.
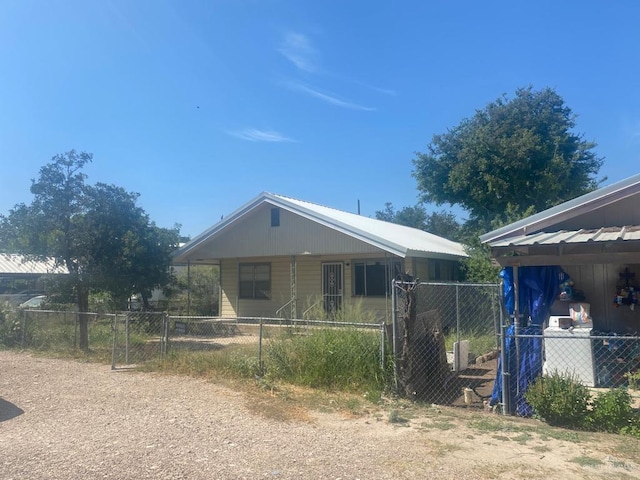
(199, 106)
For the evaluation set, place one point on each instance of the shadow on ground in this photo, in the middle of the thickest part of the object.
(8, 410)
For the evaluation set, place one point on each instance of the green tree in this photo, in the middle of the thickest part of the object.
(106, 241)
(196, 291)
(513, 156)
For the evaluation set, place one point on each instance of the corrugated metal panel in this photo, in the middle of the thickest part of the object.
(603, 197)
(375, 230)
(319, 229)
(18, 264)
(608, 234)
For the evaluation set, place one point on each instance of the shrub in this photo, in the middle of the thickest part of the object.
(634, 379)
(611, 411)
(10, 326)
(559, 400)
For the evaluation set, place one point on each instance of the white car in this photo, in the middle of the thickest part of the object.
(34, 302)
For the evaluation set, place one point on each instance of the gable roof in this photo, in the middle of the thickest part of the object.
(14, 264)
(565, 211)
(395, 239)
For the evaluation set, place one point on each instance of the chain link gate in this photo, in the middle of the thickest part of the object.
(139, 337)
(445, 339)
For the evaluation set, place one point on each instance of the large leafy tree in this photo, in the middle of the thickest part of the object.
(105, 240)
(195, 292)
(442, 223)
(516, 156)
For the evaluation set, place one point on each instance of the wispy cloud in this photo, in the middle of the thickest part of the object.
(255, 135)
(297, 48)
(328, 98)
(385, 91)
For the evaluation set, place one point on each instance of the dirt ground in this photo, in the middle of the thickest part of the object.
(62, 419)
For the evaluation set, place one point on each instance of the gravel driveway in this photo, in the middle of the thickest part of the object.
(84, 421)
(62, 419)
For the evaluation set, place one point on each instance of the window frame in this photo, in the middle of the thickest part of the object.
(361, 287)
(275, 216)
(254, 282)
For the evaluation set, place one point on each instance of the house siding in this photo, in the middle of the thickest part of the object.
(232, 306)
(622, 213)
(295, 235)
(598, 282)
(308, 286)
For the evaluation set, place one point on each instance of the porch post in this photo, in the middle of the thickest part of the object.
(188, 287)
(516, 327)
(294, 287)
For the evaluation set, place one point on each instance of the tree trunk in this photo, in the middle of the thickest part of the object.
(423, 367)
(83, 317)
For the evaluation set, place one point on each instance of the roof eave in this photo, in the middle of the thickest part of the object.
(572, 208)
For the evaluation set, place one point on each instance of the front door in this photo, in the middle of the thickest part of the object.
(332, 287)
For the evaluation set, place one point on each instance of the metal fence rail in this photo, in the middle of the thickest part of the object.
(598, 360)
(447, 344)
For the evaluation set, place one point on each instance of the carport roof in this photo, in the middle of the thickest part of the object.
(555, 215)
(605, 234)
(541, 239)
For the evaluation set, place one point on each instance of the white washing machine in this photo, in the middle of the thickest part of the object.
(569, 351)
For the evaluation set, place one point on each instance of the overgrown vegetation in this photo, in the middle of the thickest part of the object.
(562, 401)
(10, 326)
(332, 358)
(351, 312)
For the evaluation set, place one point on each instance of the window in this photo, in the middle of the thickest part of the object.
(432, 269)
(443, 270)
(275, 217)
(255, 280)
(371, 277)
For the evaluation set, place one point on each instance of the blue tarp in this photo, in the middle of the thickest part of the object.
(538, 288)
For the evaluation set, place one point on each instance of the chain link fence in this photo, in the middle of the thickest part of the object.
(444, 346)
(445, 340)
(596, 359)
(315, 353)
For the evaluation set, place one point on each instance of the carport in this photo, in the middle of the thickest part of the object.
(595, 239)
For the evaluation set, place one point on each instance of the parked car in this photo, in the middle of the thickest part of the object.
(34, 302)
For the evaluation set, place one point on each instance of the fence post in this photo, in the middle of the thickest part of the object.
(394, 331)
(382, 344)
(75, 329)
(260, 364)
(504, 357)
(165, 335)
(457, 319)
(126, 338)
(24, 328)
(115, 342)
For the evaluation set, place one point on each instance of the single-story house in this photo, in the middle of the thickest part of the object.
(595, 239)
(22, 277)
(278, 257)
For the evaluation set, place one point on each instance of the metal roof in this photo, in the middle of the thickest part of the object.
(567, 210)
(21, 265)
(396, 239)
(607, 234)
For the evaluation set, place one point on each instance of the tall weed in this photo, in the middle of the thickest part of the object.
(331, 358)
